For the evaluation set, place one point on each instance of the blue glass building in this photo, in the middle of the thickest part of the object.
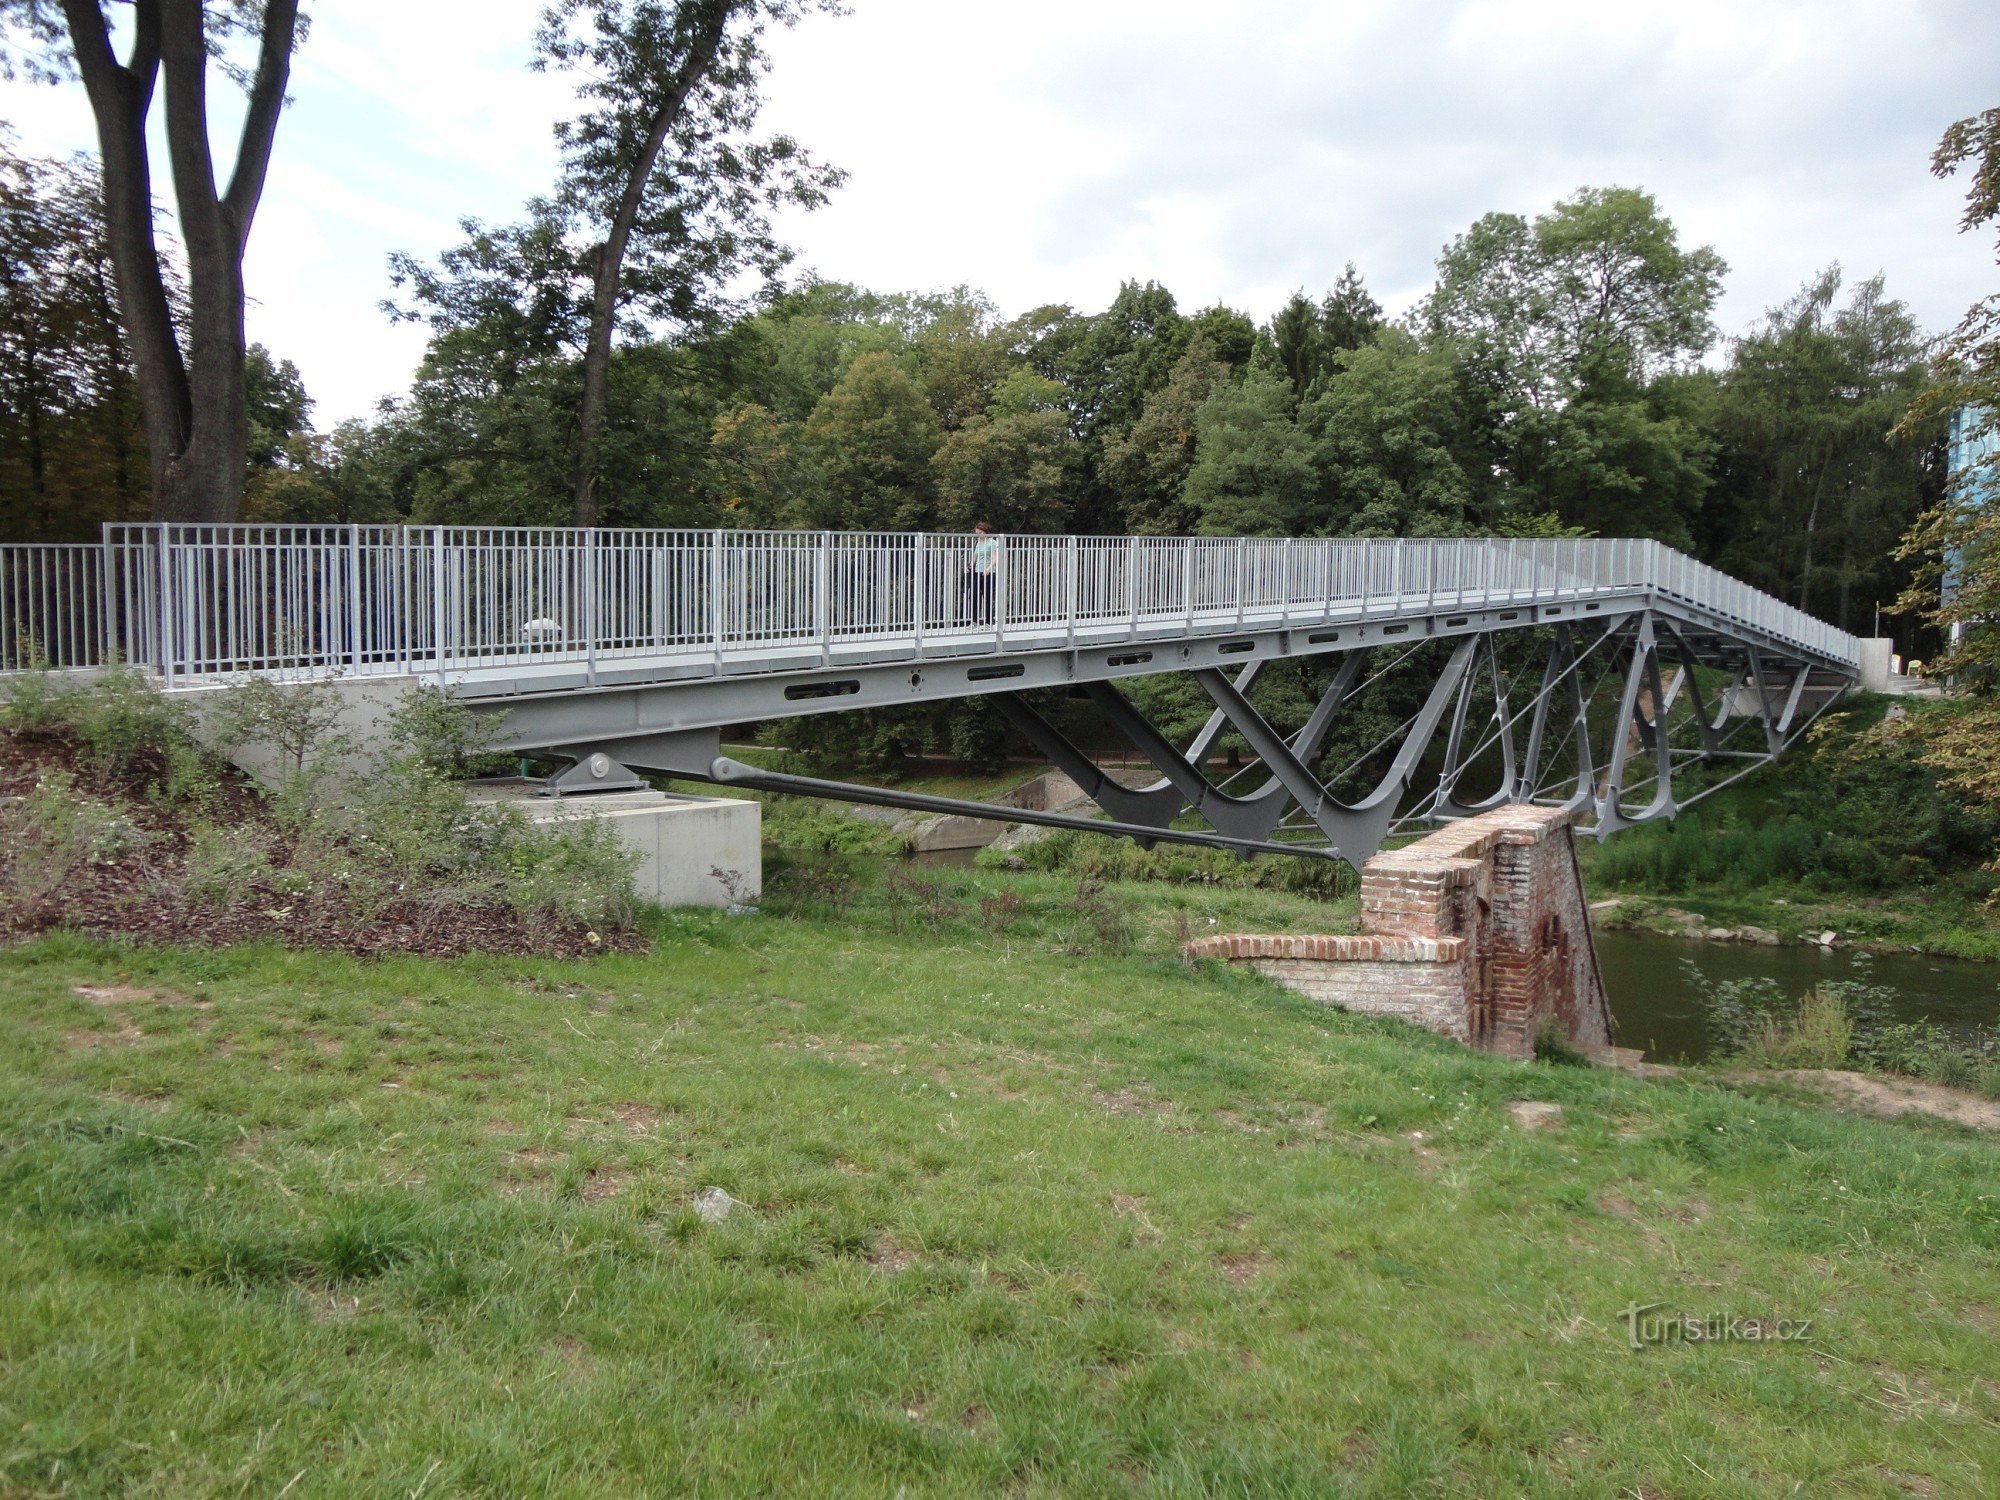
(1973, 453)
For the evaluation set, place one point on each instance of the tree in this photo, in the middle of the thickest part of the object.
(659, 170)
(1597, 288)
(72, 452)
(1146, 466)
(1388, 432)
(192, 393)
(1958, 540)
(872, 438)
(1812, 494)
(1253, 471)
(275, 403)
(755, 461)
(1564, 328)
(1008, 465)
(1307, 336)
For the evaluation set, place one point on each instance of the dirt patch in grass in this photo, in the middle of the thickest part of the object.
(1890, 1098)
(599, 1185)
(889, 1257)
(639, 1120)
(125, 1035)
(1243, 1266)
(1131, 1102)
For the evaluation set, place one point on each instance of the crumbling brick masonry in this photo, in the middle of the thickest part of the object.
(1479, 932)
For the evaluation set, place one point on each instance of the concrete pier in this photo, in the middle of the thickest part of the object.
(694, 851)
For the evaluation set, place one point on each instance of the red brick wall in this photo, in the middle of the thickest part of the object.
(1478, 931)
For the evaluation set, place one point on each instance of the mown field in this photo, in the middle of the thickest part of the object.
(1021, 1206)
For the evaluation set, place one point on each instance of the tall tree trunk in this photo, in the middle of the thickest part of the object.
(609, 259)
(196, 428)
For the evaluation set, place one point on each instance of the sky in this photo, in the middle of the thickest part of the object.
(1043, 152)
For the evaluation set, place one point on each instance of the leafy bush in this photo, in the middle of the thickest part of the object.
(118, 720)
(331, 840)
(1818, 1034)
(298, 723)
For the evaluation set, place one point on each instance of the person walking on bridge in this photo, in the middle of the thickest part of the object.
(975, 599)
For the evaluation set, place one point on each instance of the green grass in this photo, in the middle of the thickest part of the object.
(1020, 1219)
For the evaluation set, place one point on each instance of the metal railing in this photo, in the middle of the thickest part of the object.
(459, 603)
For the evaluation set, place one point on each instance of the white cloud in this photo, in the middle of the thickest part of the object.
(1044, 151)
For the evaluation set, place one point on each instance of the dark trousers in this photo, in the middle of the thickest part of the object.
(975, 599)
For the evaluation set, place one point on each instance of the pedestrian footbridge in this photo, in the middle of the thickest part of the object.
(1437, 677)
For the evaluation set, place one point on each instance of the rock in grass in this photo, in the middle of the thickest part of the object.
(712, 1205)
(1534, 1114)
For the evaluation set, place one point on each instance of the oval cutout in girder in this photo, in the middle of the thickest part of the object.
(1510, 614)
(838, 689)
(1395, 629)
(1129, 659)
(1235, 648)
(988, 674)
(1455, 621)
(1322, 637)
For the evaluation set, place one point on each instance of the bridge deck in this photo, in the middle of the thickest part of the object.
(522, 611)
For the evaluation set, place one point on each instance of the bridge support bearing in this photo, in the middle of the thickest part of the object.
(593, 771)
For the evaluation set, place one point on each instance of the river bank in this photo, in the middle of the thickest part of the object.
(1912, 922)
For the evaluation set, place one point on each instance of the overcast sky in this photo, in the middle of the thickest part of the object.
(1043, 151)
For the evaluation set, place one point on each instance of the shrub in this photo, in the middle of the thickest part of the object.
(1818, 1034)
(119, 720)
(298, 722)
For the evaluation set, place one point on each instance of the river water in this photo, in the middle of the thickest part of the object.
(1656, 986)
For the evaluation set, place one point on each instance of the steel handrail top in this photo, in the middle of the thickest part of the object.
(492, 610)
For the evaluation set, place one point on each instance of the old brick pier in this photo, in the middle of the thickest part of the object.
(1478, 931)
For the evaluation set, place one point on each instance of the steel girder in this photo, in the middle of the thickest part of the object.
(1599, 715)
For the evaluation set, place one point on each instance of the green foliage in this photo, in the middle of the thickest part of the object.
(298, 722)
(1098, 857)
(1819, 1033)
(872, 439)
(1388, 423)
(333, 839)
(1146, 466)
(1854, 812)
(118, 719)
(1811, 496)
(1010, 470)
(72, 443)
(1253, 471)
(1308, 339)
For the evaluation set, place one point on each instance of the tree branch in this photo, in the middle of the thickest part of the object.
(260, 119)
(184, 61)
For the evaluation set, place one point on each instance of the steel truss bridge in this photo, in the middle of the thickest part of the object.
(1584, 673)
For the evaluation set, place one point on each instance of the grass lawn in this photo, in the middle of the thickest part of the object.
(1014, 1219)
